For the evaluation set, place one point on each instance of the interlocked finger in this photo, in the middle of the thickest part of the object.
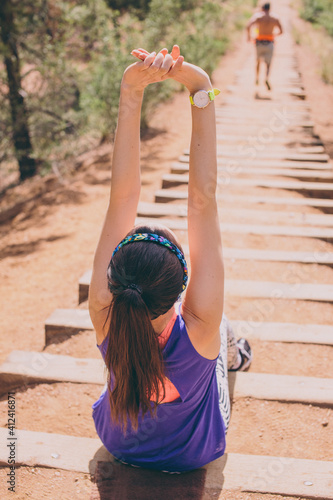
(175, 53)
(157, 64)
(149, 60)
(175, 67)
(167, 63)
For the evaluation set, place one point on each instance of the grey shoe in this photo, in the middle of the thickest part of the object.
(246, 355)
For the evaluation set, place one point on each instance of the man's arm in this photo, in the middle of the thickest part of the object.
(250, 24)
(278, 25)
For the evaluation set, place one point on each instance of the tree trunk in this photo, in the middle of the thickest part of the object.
(19, 115)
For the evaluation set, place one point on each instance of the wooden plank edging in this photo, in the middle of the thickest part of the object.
(265, 331)
(146, 209)
(171, 180)
(270, 290)
(25, 367)
(20, 369)
(283, 332)
(325, 233)
(236, 171)
(249, 473)
(166, 195)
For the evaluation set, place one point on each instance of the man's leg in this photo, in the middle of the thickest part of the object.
(268, 59)
(268, 85)
(258, 54)
(257, 71)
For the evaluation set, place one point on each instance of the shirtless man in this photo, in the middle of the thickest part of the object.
(264, 25)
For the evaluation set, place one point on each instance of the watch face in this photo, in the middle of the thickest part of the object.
(201, 99)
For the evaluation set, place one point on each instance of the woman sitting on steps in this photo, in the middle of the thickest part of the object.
(166, 405)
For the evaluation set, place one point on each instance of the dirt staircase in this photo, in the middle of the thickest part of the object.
(275, 199)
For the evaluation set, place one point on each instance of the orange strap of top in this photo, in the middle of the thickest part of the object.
(268, 38)
(171, 393)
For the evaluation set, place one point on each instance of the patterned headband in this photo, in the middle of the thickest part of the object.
(160, 240)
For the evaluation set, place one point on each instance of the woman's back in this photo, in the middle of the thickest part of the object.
(184, 434)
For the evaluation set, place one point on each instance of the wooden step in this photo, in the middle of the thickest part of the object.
(275, 291)
(262, 118)
(257, 216)
(244, 170)
(294, 91)
(249, 473)
(255, 130)
(166, 195)
(222, 151)
(261, 122)
(287, 139)
(268, 332)
(265, 164)
(281, 127)
(285, 388)
(325, 233)
(238, 102)
(23, 368)
(278, 256)
(251, 289)
(42, 449)
(229, 170)
(172, 180)
(266, 474)
(282, 155)
(284, 116)
(267, 113)
(70, 321)
(284, 332)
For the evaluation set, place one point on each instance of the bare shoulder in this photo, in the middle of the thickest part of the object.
(275, 19)
(256, 17)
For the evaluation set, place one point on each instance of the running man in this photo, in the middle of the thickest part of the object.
(264, 24)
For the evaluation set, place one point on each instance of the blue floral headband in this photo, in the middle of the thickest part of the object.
(160, 240)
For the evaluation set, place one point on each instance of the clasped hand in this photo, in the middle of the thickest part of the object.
(154, 68)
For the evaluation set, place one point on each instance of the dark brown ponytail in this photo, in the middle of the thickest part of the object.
(145, 280)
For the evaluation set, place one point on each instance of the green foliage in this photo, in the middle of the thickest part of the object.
(100, 93)
(141, 5)
(319, 12)
(321, 43)
(73, 54)
(6, 147)
(208, 38)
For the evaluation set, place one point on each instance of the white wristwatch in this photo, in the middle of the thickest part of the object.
(202, 98)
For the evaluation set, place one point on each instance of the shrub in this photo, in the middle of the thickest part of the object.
(74, 52)
(319, 12)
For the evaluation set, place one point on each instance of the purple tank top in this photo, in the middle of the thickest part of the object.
(185, 434)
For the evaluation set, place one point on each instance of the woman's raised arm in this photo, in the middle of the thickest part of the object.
(203, 303)
(126, 183)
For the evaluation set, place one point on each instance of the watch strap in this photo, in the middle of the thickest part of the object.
(211, 94)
